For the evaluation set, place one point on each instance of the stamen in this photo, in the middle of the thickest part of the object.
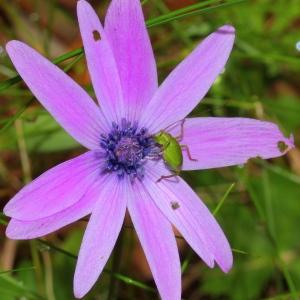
(126, 151)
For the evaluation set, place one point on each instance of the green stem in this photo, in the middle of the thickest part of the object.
(187, 260)
(116, 265)
(38, 267)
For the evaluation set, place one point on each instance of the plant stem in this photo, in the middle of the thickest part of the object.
(116, 264)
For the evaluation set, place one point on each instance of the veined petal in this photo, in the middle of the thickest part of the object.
(32, 229)
(100, 235)
(129, 39)
(157, 238)
(56, 189)
(220, 142)
(66, 101)
(189, 81)
(101, 63)
(192, 218)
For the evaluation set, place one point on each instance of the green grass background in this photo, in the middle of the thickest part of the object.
(260, 215)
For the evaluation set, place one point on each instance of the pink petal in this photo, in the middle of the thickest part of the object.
(129, 39)
(189, 81)
(32, 229)
(192, 218)
(101, 63)
(220, 142)
(100, 235)
(66, 101)
(157, 239)
(56, 189)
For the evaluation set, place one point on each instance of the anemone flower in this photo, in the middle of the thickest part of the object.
(123, 163)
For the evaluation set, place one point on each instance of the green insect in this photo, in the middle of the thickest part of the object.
(171, 150)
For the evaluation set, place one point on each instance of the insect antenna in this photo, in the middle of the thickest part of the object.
(182, 120)
(196, 115)
(207, 110)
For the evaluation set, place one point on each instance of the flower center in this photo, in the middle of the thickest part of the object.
(126, 150)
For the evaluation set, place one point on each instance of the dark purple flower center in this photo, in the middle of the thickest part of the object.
(126, 150)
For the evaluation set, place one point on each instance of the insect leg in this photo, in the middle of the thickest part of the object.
(188, 152)
(168, 176)
(181, 132)
(164, 146)
(161, 149)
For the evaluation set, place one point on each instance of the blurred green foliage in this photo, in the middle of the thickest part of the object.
(261, 214)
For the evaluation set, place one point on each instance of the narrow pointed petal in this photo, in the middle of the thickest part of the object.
(129, 39)
(220, 142)
(66, 101)
(192, 218)
(101, 63)
(100, 235)
(157, 238)
(21, 230)
(56, 189)
(190, 80)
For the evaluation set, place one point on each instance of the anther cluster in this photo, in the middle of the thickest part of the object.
(126, 150)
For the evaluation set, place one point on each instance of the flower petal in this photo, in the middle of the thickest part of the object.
(32, 229)
(220, 142)
(100, 235)
(66, 101)
(189, 81)
(56, 189)
(101, 63)
(129, 39)
(157, 239)
(192, 218)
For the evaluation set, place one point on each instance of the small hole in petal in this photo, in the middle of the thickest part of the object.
(282, 146)
(96, 35)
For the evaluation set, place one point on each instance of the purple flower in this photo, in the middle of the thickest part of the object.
(122, 166)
